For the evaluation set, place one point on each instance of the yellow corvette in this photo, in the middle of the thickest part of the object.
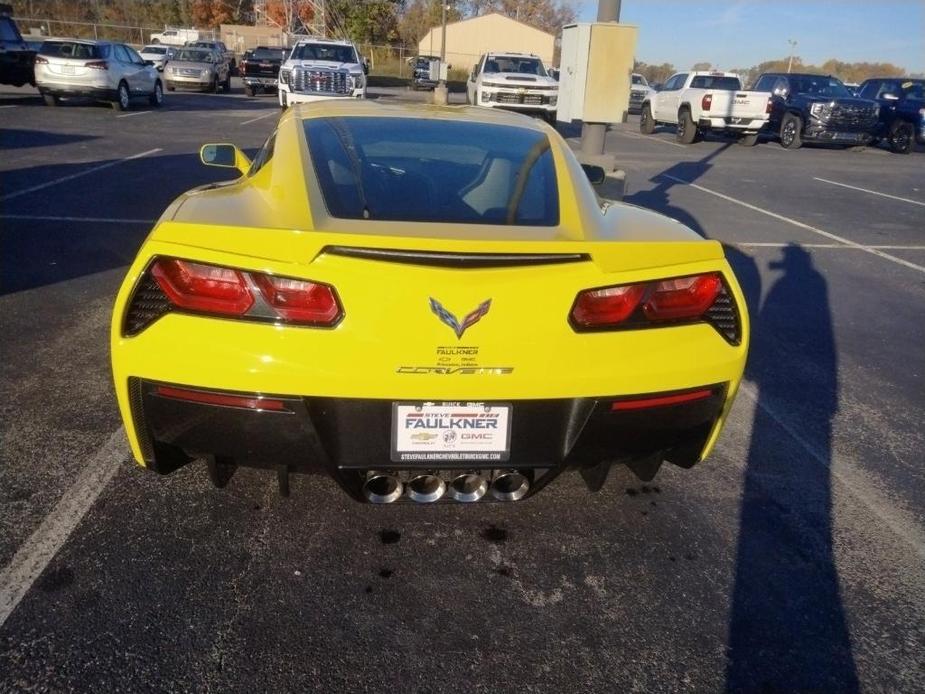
(422, 303)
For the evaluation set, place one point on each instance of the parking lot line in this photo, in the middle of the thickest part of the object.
(134, 113)
(797, 223)
(85, 172)
(872, 192)
(35, 554)
(9, 106)
(649, 138)
(54, 218)
(254, 120)
(841, 246)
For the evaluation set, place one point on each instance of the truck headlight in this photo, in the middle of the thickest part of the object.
(284, 77)
(820, 111)
(486, 96)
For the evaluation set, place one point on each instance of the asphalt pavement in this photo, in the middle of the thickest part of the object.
(792, 560)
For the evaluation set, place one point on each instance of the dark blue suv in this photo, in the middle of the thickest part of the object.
(902, 110)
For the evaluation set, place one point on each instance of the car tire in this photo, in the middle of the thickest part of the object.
(50, 100)
(157, 96)
(123, 98)
(902, 137)
(646, 122)
(748, 140)
(687, 130)
(226, 85)
(249, 90)
(791, 128)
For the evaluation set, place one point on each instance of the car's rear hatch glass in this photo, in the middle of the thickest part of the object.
(75, 50)
(434, 170)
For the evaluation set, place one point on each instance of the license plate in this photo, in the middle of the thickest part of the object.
(450, 432)
(67, 69)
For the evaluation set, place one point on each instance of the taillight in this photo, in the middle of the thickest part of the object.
(638, 305)
(299, 300)
(41, 60)
(767, 109)
(248, 402)
(706, 102)
(97, 65)
(200, 287)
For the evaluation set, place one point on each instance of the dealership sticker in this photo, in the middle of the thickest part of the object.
(450, 432)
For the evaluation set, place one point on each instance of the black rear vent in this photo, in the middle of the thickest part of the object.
(147, 305)
(724, 316)
(457, 260)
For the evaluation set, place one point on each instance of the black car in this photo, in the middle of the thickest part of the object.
(421, 77)
(17, 59)
(259, 68)
(817, 108)
(902, 110)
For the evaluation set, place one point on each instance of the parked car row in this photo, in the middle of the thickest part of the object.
(792, 107)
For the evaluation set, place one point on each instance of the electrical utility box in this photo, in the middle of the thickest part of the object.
(595, 71)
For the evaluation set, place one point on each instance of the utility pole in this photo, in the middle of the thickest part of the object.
(793, 45)
(593, 134)
(441, 94)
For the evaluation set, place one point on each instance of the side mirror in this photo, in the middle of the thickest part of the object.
(595, 174)
(225, 156)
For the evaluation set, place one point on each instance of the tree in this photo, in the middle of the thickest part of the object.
(212, 13)
(290, 15)
(373, 21)
(548, 15)
(699, 67)
(422, 15)
(654, 73)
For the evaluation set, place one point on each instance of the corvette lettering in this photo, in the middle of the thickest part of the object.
(457, 370)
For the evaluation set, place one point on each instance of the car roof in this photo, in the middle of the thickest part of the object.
(318, 39)
(88, 42)
(511, 54)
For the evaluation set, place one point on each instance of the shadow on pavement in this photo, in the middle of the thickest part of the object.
(787, 629)
(14, 138)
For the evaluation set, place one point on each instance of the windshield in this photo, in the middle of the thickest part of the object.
(505, 63)
(428, 170)
(639, 79)
(819, 86)
(155, 50)
(324, 51)
(193, 56)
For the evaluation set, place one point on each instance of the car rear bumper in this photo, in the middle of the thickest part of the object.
(265, 82)
(740, 125)
(347, 437)
(78, 91)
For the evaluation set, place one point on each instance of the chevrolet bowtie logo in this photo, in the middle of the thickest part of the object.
(450, 320)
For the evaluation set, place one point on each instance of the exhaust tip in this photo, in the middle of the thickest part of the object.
(381, 488)
(468, 487)
(426, 489)
(510, 485)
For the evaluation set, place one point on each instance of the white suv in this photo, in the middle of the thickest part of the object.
(321, 69)
(515, 81)
(97, 70)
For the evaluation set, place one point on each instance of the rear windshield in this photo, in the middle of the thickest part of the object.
(639, 79)
(424, 170)
(712, 82)
(325, 51)
(72, 49)
(267, 53)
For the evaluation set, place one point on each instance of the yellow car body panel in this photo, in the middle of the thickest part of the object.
(524, 348)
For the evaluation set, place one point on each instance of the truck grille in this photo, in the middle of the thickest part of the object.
(528, 99)
(846, 116)
(315, 81)
(188, 71)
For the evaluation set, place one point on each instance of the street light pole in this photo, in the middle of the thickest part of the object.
(593, 134)
(441, 95)
(793, 45)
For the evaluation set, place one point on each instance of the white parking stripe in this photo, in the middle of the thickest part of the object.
(649, 138)
(37, 552)
(840, 246)
(95, 220)
(9, 106)
(801, 225)
(85, 172)
(872, 192)
(254, 120)
(134, 113)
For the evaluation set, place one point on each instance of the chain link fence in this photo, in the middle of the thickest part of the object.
(36, 28)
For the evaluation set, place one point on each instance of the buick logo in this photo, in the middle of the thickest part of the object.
(449, 319)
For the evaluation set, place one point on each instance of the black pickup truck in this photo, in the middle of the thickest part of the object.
(17, 60)
(902, 110)
(259, 68)
(817, 108)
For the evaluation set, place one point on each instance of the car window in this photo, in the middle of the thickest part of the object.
(716, 82)
(639, 79)
(266, 53)
(325, 51)
(781, 87)
(425, 170)
(913, 89)
(121, 54)
(133, 55)
(264, 155)
(764, 84)
(869, 89)
(8, 30)
(73, 49)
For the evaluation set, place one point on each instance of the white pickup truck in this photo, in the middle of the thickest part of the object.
(700, 101)
(171, 36)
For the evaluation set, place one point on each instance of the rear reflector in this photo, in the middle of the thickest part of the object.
(247, 402)
(660, 400)
(300, 300)
(200, 287)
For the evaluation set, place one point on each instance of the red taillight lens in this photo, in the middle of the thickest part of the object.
(682, 297)
(299, 300)
(596, 308)
(41, 60)
(706, 102)
(678, 298)
(97, 65)
(660, 400)
(248, 402)
(201, 287)
(767, 109)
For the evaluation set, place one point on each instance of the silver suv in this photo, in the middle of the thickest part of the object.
(97, 70)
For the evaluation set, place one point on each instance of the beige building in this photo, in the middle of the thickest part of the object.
(466, 40)
(239, 37)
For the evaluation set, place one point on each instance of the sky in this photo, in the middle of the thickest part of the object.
(742, 33)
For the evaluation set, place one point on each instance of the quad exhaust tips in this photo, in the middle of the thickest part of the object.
(426, 488)
(381, 487)
(468, 487)
(509, 485)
